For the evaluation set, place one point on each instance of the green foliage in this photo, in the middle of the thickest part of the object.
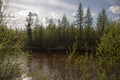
(10, 46)
(79, 67)
(102, 66)
(108, 54)
(61, 36)
(88, 23)
(102, 21)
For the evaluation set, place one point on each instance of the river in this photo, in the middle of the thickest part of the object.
(47, 64)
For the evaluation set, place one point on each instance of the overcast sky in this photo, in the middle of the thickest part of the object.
(46, 9)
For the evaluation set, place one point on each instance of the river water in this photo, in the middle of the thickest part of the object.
(47, 64)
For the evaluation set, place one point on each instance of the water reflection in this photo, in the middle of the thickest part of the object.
(47, 64)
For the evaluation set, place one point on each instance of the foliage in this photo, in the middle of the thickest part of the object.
(88, 23)
(10, 46)
(108, 54)
(29, 20)
(58, 38)
(102, 66)
(62, 35)
(102, 21)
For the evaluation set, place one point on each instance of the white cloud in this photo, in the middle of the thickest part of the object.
(45, 9)
(21, 17)
(94, 14)
(117, 18)
(60, 3)
(26, 12)
(10, 17)
(45, 20)
(24, 6)
(23, 13)
(84, 11)
(42, 4)
(74, 14)
(55, 15)
(115, 9)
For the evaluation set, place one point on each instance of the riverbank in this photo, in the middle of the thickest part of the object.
(58, 49)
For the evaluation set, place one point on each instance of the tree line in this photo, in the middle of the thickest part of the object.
(63, 34)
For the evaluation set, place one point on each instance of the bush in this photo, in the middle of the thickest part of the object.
(10, 46)
(108, 54)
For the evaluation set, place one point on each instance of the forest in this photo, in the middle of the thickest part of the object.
(96, 44)
(61, 35)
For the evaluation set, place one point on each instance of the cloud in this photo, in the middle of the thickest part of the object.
(55, 15)
(21, 17)
(117, 18)
(44, 9)
(93, 14)
(34, 14)
(25, 13)
(10, 18)
(42, 4)
(74, 14)
(45, 20)
(115, 9)
(84, 11)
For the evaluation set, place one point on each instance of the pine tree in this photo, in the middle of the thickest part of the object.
(65, 26)
(79, 23)
(88, 22)
(79, 16)
(64, 22)
(101, 21)
(29, 21)
(40, 35)
(51, 23)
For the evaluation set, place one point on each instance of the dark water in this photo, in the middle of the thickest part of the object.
(48, 63)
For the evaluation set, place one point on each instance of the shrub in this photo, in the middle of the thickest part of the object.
(108, 54)
(10, 46)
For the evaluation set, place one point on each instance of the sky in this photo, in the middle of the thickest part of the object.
(47, 9)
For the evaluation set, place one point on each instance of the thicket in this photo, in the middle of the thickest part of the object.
(11, 44)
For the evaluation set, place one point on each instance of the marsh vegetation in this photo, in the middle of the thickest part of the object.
(61, 51)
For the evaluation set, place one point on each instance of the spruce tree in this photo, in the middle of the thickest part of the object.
(79, 23)
(29, 21)
(88, 23)
(79, 16)
(101, 21)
